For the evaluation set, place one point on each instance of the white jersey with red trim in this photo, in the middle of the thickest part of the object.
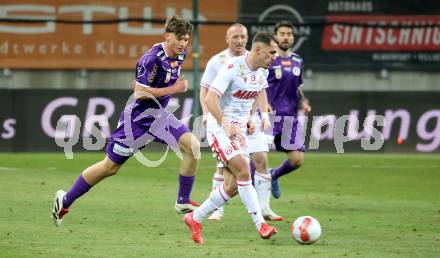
(238, 85)
(214, 65)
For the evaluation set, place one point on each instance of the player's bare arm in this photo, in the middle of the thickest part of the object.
(304, 102)
(203, 93)
(180, 86)
(263, 105)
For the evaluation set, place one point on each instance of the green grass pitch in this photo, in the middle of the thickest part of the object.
(369, 206)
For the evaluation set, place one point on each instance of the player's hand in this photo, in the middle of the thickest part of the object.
(181, 85)
(306, 107)
(232, 131)
(251, 126)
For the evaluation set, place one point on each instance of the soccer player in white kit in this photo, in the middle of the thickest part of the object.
(229, 101)
(236, 38)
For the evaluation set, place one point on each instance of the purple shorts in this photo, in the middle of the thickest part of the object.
(288, 134)
(132, 136)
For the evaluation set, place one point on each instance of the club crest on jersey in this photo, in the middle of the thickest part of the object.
(278, 72)
(141, 71)
(296, 71)
(168, 77)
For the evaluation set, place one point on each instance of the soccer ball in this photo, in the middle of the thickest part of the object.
(306, 230)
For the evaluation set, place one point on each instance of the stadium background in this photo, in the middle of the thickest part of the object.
(361, 58)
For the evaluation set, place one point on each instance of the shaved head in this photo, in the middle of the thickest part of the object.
(234, 27)
(237, 37)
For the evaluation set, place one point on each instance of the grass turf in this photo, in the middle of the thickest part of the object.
(368, 206)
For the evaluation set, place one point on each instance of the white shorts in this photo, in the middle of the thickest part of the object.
(223, 148)
(257, 141)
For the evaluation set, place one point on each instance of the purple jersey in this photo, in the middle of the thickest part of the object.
(145, 120)
(156, 69)
(285, 77)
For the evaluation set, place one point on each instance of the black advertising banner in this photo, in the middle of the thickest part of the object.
(402, 121)
(333, 35)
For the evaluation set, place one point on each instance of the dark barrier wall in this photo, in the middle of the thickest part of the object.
(329, 34)
(28, 118)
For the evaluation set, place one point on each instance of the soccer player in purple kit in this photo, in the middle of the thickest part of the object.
(157, 77)
(286, 97)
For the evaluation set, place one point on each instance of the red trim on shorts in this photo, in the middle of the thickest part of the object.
(215, 146)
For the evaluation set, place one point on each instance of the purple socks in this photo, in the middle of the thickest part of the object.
(185, 186)
(283, 169)
(79, 187)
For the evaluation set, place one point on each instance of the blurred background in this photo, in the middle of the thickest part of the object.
(60, 59)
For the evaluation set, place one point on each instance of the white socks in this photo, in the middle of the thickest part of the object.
(217, 180)
(249, 197)
(216, 200)
(262, 186)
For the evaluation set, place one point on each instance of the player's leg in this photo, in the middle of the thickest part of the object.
(239, 166)
(293, 145)
(117, 154)
(257, 147)
(218, 197)
(86, 180)
(190, 148)
(262, 183)
(217, 180)
(216, 200)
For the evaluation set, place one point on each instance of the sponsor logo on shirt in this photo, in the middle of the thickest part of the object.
(286, 63)
(296, 59)
(123, 151)
(243, 94)
(153, 74)
(230, 66)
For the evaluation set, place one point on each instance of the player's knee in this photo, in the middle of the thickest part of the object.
(231, 189)
(243, 172)
(111, 167)
(260, 164)
(190, 145)
(296, 161)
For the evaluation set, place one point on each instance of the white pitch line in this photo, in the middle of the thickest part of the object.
(8, 169)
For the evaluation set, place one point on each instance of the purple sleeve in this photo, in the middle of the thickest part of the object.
(147, 71)
(301, 80)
